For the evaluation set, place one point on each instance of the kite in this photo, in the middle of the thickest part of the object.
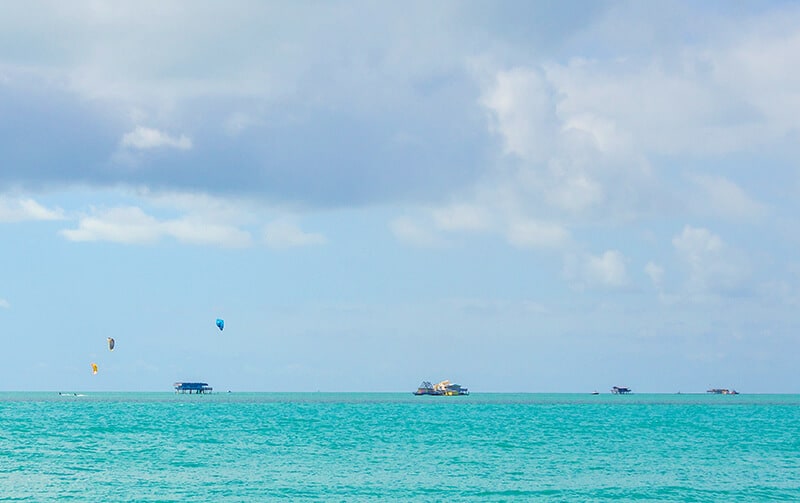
(220, 323)
(94, 368)
(111, 343)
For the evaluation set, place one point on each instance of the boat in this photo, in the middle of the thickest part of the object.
(443, 388)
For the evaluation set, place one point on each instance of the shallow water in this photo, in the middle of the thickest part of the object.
(397, 447)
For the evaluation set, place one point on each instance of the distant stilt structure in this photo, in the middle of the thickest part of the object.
(722, 391)
(444, 388)
(198, 388)
(620, 390)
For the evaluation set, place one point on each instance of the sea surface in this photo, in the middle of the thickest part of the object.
(398, 447)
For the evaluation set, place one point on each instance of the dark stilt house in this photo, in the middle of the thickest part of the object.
(199, 388)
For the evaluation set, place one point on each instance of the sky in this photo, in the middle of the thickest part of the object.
(516, 196)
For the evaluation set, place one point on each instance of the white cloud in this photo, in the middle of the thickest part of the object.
(624, 102)
(581, 134)
(120, 225)
(23, 209)
(209, 209)
(697, 245)
(283, 234)
(573, 160)
(603, 271)
(724, 198)
(714, 268)
(586, 130)
(146, 138)
(131, 225)
(754, 68)
(656, 273)
(193, 231)
(603, 133)
(575, 193)
(608, 269)
(536, 234)
(406, 231)
(4, 304)
(522, 111)
(734, 92)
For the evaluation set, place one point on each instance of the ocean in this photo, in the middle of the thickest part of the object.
(398, 447)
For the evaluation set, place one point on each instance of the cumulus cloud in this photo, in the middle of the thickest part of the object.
(724, 198)
(144, 138)
(283, 234)
(608, 269)
(605, 271)
(575, 193)
(25, 209)
(734, 92)
(655, 272)
(585, 132)
(602, 132)
(576, 133)
(731, 87)
(697, 245)
(522, 111)
(121, 225)
(569, 160)
(204, 207)
(200, 232)
(131, 225)
(714, 268)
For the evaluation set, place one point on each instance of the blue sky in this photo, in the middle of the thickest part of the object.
(517, 196)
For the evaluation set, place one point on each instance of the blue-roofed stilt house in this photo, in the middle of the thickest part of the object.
(192, 387)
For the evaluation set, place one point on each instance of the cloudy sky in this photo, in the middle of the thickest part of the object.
(517, 196)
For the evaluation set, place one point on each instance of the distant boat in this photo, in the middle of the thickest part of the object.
(620, 390)
(444, 388)
(595, 392)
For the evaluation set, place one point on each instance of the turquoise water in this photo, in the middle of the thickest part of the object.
(397, 447)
